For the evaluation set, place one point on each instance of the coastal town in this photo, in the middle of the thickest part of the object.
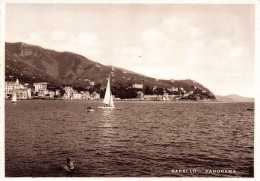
(41, 90)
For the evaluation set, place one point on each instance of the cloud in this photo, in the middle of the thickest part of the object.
(171, 43)
(83, 43)
(153, 36)
(182, 44)
(133, 51)
(238, 51)
(36, 36)
(59, 36)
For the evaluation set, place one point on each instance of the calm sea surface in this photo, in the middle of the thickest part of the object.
(136, 139)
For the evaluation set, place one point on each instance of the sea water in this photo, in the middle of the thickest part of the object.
(136, 139)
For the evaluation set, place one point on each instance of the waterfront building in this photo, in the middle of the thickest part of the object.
(140, 95)
(95, 96)
(42, 93)
(50, 94)
(40, 86)
(18, 85)
(185, 95)
(29, 93)
(9, 86)
(66, 96)
(68, 92)
(57, 92)
(21, 90)
(172, 97)
(85, 94)
(151, 97)
(77, 96)
(22, 93)
(165, 96)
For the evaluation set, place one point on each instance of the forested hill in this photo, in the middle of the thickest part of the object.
(32, 64)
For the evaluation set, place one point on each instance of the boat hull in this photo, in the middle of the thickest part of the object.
(105, 107)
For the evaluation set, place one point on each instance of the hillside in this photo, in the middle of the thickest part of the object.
(238, 98)
(224, 99)
(234, 98)
(32, 63)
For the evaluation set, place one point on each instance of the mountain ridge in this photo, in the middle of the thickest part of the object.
(32, 63)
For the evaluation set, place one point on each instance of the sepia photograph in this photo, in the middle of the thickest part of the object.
(129, 90)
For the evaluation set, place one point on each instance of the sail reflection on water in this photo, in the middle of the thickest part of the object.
(108, 127)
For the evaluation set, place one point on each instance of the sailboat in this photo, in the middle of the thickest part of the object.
(14, 98)
(108, 99)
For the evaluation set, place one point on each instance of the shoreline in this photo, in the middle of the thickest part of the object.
(131, 100)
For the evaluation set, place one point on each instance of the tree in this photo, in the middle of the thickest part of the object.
(148, 90)
(79, 88)
(102, 93)
(159, 91)
(62, 92)
(97, 87)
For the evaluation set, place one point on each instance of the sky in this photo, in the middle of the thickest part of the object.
(211, 44)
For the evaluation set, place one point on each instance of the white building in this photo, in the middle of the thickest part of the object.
(95, 96)
(9, 86)
(42, 93)
(77, 96)
(185, 95)
(68, 92)
(51, 93)
(40, 86)
(165, 96)
(140, 95)
(92, 83)
(174, 89)
(29, 92)
(22, 91)
(138, 86)
(57, 92)
(85, 94)
(151, 97)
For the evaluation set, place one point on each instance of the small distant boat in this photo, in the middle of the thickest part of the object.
(89, 109)
(14, 98)
(250, 109)
(108, 99)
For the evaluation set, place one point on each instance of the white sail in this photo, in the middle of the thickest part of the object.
(108, 93)
(111, 103)
(108, 99)
(14, 99)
